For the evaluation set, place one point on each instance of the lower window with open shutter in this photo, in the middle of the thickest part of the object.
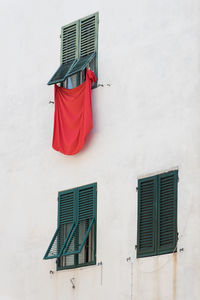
(157, 214)
(74, 242)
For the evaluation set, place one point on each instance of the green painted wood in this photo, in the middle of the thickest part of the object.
(79, 48)
(167, 212)
(81, 64)
(146, 236)
(69, 42)
(157, 222)
(89, 27)
(66, 223)
(75, 244)
(88, 35)
(62, 73)
(76, 222)
(84, 216)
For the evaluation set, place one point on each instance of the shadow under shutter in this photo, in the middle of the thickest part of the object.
(167, 212)
(146, 217)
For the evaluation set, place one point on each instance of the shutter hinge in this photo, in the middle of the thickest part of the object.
(136, 188)
(135, 247)
(60, 36)
(178, 179)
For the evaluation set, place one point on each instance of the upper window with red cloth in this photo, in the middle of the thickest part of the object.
(73, 116)
(79, 49)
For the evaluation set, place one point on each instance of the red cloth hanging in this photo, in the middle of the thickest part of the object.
(73, 116)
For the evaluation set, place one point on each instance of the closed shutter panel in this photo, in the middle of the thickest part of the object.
(69, 42)
(146, 237)
(86, 218)
(66, 224)
(167, 212)
(69, 52)
(88, 35)
(89, 40)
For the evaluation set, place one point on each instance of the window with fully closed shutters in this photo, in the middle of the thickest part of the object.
(157, 214)
(74, 242)
(79, 49)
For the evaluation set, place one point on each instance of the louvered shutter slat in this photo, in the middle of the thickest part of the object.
(81, 64)
(69, 42)
(66, 207)
(146, 217)
(86, 210)
(167, 212)
(62, 73)
(88, 35)
(78, 48)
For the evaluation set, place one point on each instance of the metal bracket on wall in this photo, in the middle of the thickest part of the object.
(102, 85)
(72, 282)
(101, 264)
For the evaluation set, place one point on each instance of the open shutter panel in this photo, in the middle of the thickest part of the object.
(167, 212)
(146, 217)
(62, 72)
(86, 209)
(79, 44)
(81, 64)
(66, 224)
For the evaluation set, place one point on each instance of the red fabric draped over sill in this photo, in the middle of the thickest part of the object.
(73, 116)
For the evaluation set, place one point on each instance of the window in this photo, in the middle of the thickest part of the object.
(74, 242)
(79, 49)
(157, 214)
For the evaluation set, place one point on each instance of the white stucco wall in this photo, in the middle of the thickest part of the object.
(146, 122)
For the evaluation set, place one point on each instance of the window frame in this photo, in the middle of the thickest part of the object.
(76, 201)
(75, 51)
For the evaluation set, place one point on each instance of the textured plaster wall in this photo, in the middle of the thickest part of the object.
(146, 122)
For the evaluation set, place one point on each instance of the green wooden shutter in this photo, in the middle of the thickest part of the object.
(66, 224)
(79, 45)
(146, 235)
(88, 35)
(68, 52)
(85, 218)
(167, 212)
(69, 42)
(89, 40)
(81, 64)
